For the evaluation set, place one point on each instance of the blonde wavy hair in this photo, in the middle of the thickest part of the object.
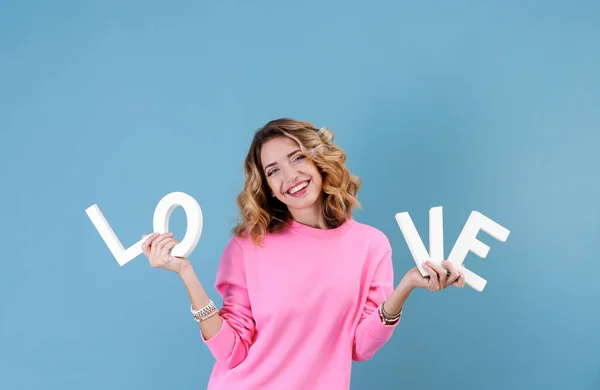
(261, 213)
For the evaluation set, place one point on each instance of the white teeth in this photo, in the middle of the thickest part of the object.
(298, 187)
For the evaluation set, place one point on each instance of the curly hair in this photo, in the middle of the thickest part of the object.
(260, 213)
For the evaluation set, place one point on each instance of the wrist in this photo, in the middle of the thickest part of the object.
(186, 270)
(407, 284)
(395, 302)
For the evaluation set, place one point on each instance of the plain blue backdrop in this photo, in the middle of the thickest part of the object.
(470, 105)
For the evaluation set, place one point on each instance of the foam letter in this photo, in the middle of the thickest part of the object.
(110, 238)
(467, 242)
(193, 213)
(162, 214)
(415, 244)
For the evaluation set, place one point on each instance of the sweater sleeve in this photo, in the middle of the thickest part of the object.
(231, 343)
(371, 334)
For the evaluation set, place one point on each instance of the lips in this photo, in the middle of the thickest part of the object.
(297, 187)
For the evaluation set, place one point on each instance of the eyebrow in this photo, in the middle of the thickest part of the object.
(289, 155)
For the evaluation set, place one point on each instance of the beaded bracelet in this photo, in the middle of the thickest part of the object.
(386, 318)
(205, 312)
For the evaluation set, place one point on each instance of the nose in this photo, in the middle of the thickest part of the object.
(290, 174)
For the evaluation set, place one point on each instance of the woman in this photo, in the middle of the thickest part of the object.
(306, 289)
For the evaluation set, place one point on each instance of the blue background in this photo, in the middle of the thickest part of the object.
(472, 105)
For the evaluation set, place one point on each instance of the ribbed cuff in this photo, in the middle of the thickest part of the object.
(221, 343)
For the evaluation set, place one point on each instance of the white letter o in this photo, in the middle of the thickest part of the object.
(193, 212)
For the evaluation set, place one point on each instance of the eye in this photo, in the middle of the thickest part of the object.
(271, 171)
(298, 157)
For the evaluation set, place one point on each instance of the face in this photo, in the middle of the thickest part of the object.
(292, 177)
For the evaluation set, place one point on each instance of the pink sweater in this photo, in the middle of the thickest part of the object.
(300, 309)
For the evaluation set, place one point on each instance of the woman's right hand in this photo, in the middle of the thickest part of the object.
(157, 248)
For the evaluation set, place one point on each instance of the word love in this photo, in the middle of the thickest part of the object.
(162, 215)
(467, 242)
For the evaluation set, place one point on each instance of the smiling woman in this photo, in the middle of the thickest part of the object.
(293, 168)
(306, 289)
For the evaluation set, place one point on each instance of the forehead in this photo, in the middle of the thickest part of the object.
(277, 149)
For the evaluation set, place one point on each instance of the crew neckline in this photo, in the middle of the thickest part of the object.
(298, 227)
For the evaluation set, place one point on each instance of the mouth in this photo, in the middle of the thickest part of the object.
(299, 188)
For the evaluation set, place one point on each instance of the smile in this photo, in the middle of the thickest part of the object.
(298, 189)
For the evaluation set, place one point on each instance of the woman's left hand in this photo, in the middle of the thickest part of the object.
(438, 278)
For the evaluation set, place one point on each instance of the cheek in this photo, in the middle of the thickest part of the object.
(311, 168)
(274, 185)
(318, 184)
(316, 176)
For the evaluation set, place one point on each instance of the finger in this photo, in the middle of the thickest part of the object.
(148, 239)
(434, 282)
(166, 255)
(159, 242)
(453, 272)
(157, 258)
(165, 237)
(441, 274)
(147, 244)
(151, 251)
(460, 282)
(167, 245)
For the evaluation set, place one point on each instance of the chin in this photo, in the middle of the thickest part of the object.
(306, 201)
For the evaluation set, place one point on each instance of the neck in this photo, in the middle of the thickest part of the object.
(311, 216)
